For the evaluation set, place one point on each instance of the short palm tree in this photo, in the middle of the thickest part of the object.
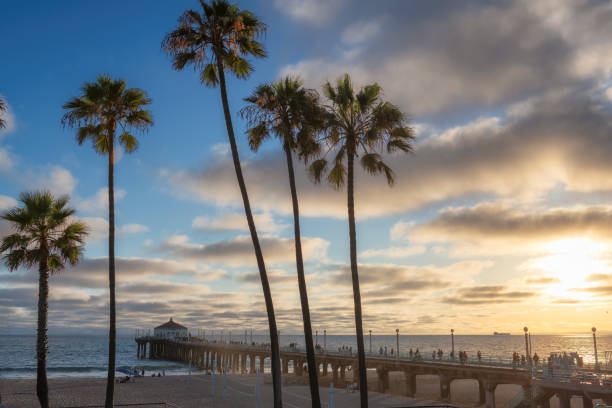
(45, 235)
(2, 109)
(293, 114)
(359, 125)
(215, 41)
(107, 111)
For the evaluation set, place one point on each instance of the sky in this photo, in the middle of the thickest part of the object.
(501, 218)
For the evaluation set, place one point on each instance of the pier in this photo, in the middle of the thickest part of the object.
(538, 386)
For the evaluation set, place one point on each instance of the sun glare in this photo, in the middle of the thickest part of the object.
(571, 261)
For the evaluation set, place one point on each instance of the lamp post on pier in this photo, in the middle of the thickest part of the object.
(325, 340)
(453, 344)
(526, 330)
(316, 338)
(370, 341)
(397, 341)
(595, 348)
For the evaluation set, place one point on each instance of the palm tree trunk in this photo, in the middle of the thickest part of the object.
(275, 351)
(363, 379)
(310, 353)
(112, 333)
(42, 388)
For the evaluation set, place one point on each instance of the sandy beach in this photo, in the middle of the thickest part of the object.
(240, 391)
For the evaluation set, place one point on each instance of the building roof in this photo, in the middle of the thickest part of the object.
(171, 325)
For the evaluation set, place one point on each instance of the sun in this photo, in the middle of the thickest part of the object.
(571, 261)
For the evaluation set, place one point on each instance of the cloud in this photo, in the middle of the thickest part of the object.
(390, 281)
(487, 294)
(6, 161)
(276, 277)
(220, 149)
(56, 179)
(98, 228)
(7, 202)
(450, 59)
(542, 280)
(315, 12)
(394, 252)
(496, 228)
(98, 203)
(557, 141)
(264, 222)
(361, 31)
(239, 251)
(92, 273)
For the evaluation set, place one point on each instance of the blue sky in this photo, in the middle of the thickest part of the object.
(503, 209)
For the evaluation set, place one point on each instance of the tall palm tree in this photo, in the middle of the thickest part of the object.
(105, 108)
(3, 108)
(360, 124)
(219, 39)
(293, 114)
(45, 235)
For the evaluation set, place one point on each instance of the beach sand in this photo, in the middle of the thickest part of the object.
(195, 391)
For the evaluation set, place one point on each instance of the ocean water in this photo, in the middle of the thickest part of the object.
(75, 356)
(86, 356)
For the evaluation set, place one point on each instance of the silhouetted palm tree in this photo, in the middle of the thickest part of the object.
(105, 108)
(45, 235)
(292, 113)
(217, 40)
(2, 109)
(359, 124)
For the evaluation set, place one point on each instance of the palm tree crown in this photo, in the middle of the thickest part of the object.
(222, 36)
(104, 107)
(287, 110)
(361, 124)
(44, 232)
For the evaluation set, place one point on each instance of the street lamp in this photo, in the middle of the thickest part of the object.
(397, 341)
(325, 340)
(453, 344)
(370, 341)
(527, 353)
(316, 337)
(595, 348)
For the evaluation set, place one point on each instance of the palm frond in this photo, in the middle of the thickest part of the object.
(128, 141)
(336, 175)
(3, 108)
(317, 169)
